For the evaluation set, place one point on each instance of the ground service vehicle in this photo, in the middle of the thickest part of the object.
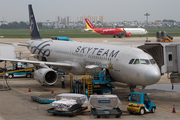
(21, 70)
(140, 103)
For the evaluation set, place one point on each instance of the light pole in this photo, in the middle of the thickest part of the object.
(147, 15)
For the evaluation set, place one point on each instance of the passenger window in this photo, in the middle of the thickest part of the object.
(170, 57)
(144, 61)
(131, 61)
(152, 61)
(136, 61)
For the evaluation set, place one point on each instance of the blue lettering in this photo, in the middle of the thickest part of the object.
(95, 50)
(112, 54)
(100, 51)
(83, 49)
(89, 50)
(106, 53)
(78, 48)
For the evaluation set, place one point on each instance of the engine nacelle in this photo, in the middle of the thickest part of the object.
(46, 76)
(128, 35)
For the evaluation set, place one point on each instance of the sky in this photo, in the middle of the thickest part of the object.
(113, 10)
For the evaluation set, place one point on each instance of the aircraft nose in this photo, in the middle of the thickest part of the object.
(152, 75)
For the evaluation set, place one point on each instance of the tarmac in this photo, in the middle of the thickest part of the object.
(16, 104)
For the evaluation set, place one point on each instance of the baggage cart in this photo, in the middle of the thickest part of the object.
(105, 105)
(45, 98)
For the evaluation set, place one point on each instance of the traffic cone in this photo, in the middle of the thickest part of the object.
(29, 89)
(52, 92)
(174, 111)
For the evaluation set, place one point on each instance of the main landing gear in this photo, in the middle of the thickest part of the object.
(119, 36)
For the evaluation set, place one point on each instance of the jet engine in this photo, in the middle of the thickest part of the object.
(46, 76)
(128, 35)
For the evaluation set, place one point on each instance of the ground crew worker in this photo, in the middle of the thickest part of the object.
(104, 73)
(62, 80)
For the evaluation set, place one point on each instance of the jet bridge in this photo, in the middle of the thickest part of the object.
(167, 56)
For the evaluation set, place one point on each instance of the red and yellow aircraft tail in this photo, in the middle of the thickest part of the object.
(89, 25)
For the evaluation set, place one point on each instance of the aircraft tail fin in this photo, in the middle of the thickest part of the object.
(89, 25)
(33, 25)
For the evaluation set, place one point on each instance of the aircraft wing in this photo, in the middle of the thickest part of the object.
(61, 65)
(92, 66)
(15, 44)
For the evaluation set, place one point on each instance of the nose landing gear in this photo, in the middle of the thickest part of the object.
(132, 87)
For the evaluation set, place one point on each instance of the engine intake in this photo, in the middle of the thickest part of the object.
(46, 76)
(128, 35)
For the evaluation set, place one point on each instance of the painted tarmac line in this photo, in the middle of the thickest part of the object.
(167, 110)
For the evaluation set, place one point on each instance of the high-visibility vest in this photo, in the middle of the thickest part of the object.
(62, 79)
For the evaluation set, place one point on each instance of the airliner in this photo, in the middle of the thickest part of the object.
(119, 32)
(124, 64)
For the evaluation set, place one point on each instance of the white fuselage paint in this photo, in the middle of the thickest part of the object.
(133, 31)
(114, 58)
(136, 31)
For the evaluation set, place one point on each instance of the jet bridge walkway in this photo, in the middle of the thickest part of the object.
(167, 56)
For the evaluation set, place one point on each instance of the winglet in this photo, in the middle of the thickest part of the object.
(33, 25)
(89, 25)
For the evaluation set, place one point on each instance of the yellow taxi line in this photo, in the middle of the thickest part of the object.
(167, 110)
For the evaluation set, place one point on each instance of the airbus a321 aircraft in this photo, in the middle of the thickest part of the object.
(125, 64)
(127, 32)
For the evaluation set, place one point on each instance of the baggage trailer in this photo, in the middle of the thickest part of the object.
(115, 111)
(67, 113)
(45, 98)
(105, 105)
(68, 104)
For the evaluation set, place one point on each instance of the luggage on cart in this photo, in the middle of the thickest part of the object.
(68, 104)
(105, 105)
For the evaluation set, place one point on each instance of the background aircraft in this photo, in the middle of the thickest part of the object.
(127, 32)
(124, 64)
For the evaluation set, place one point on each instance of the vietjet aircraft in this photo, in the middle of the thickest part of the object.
(124, 64)
(128, 32)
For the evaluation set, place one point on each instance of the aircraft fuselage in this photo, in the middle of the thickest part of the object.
(115, 58)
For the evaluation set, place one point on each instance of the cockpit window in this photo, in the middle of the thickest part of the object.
(136, 61)
(144, 61)
(152, 61)
(131, 61)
